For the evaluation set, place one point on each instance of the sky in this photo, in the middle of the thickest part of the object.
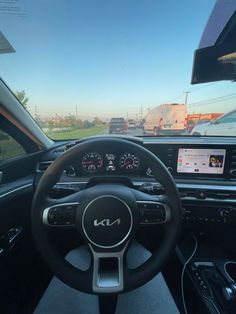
(107, 57)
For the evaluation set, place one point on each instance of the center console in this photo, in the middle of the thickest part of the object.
(210, 272)
(198, 161)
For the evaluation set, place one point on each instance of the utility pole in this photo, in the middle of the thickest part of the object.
(76, 112)
(186, 97)
(141, 113)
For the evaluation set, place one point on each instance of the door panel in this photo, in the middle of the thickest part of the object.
(23, 274)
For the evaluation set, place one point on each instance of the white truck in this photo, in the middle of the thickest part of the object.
(166, 119)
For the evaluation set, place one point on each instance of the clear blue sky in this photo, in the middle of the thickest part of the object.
(108, 57)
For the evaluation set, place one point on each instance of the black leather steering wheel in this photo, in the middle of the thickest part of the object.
(108, 216)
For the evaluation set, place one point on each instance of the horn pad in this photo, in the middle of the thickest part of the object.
(107, 221)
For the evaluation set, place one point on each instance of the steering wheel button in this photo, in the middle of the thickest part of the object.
(62, 215)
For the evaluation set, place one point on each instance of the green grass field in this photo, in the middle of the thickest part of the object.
(76, 133)
(10, 148)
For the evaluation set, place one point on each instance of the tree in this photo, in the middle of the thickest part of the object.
(97, 121)
(21, 96)
(70, 120)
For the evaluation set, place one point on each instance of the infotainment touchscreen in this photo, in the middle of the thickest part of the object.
(195, 160)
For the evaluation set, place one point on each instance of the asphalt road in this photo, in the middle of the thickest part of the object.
(136, 132)
(131, 132)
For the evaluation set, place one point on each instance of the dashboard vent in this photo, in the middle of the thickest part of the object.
(232, 171)
(43, 166)
(59, 150)
(207, 194)
(169, 158)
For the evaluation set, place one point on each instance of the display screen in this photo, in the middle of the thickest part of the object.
(194, 160)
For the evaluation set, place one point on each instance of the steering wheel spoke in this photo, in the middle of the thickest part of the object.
(62, 212)
(60, 215)
(153, 210)
(108, 270)
(153, 213)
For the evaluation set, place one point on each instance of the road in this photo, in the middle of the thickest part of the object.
(137, 132)
(131, 132)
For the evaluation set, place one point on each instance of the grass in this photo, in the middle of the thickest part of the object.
(76, 133)
(10, 148)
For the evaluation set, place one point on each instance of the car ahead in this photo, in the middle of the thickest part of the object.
(222, 126)
(132, 124)
(192, 125)
(139, 124)
(166, 119)
(117, 125)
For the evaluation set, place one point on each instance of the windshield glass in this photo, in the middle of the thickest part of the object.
(85, 68)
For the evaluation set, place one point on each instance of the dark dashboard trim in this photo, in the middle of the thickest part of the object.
(192, 140)
(16, 190)
(179, 185)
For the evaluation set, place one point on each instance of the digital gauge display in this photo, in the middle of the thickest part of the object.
(91, 162)
(110, 158)
(129, 161)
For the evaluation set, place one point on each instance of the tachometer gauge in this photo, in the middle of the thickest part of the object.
(129, 161)
(91, 162)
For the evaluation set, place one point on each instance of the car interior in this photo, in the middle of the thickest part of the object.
(97, 224)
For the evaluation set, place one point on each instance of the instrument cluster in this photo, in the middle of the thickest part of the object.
(102, 163)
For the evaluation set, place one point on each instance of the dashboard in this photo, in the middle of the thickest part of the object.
(184, 161)
(181, 160)
(204, 170)
(107, 162)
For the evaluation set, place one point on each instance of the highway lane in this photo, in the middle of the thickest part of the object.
(137, 132)
(131, 132)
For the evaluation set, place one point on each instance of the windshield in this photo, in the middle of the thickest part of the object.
(84, 68)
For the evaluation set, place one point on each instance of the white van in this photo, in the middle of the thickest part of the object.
(166, 119)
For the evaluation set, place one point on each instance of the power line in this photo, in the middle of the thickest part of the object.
(215, 98)
(212, 103)
(212, 100)
(201, 87)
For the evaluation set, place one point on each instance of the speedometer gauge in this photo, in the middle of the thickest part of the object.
(129, 161)
(91, 162)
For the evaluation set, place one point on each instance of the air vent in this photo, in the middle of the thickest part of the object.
(43, 166)
(59, 150)
(169, 158)
(232, 171)
(207, 194)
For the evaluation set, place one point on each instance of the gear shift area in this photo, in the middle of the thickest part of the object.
(216, 282)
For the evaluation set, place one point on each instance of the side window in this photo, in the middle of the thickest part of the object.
(9, 147)
(230, 118)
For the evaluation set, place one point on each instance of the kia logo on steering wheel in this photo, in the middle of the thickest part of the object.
(106, 222)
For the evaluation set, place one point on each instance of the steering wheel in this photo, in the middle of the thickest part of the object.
(107, 215)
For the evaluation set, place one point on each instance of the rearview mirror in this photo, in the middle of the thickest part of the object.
(212, 64)
(215, 60)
